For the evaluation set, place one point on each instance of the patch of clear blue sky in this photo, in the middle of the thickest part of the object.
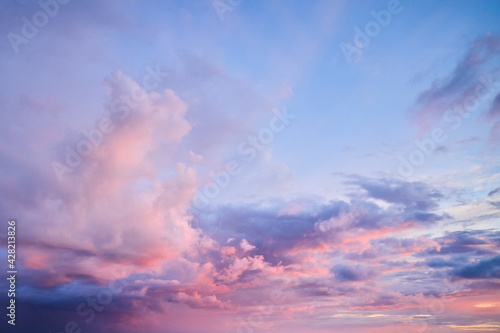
(343, 104)
(337, 103)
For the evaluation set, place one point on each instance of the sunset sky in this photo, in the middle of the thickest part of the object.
(247, 166)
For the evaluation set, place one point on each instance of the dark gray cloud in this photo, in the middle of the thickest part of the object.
(495, 108)
(350, 273)
(414, 196)
(493, 192)
(415, 201)
(466, 71)
(451, 91)
(485, 269)
(471, 242)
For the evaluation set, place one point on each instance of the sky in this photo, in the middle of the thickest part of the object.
(244, 166)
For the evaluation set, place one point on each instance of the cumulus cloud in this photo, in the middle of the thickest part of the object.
(97, 213)
(245, 246)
